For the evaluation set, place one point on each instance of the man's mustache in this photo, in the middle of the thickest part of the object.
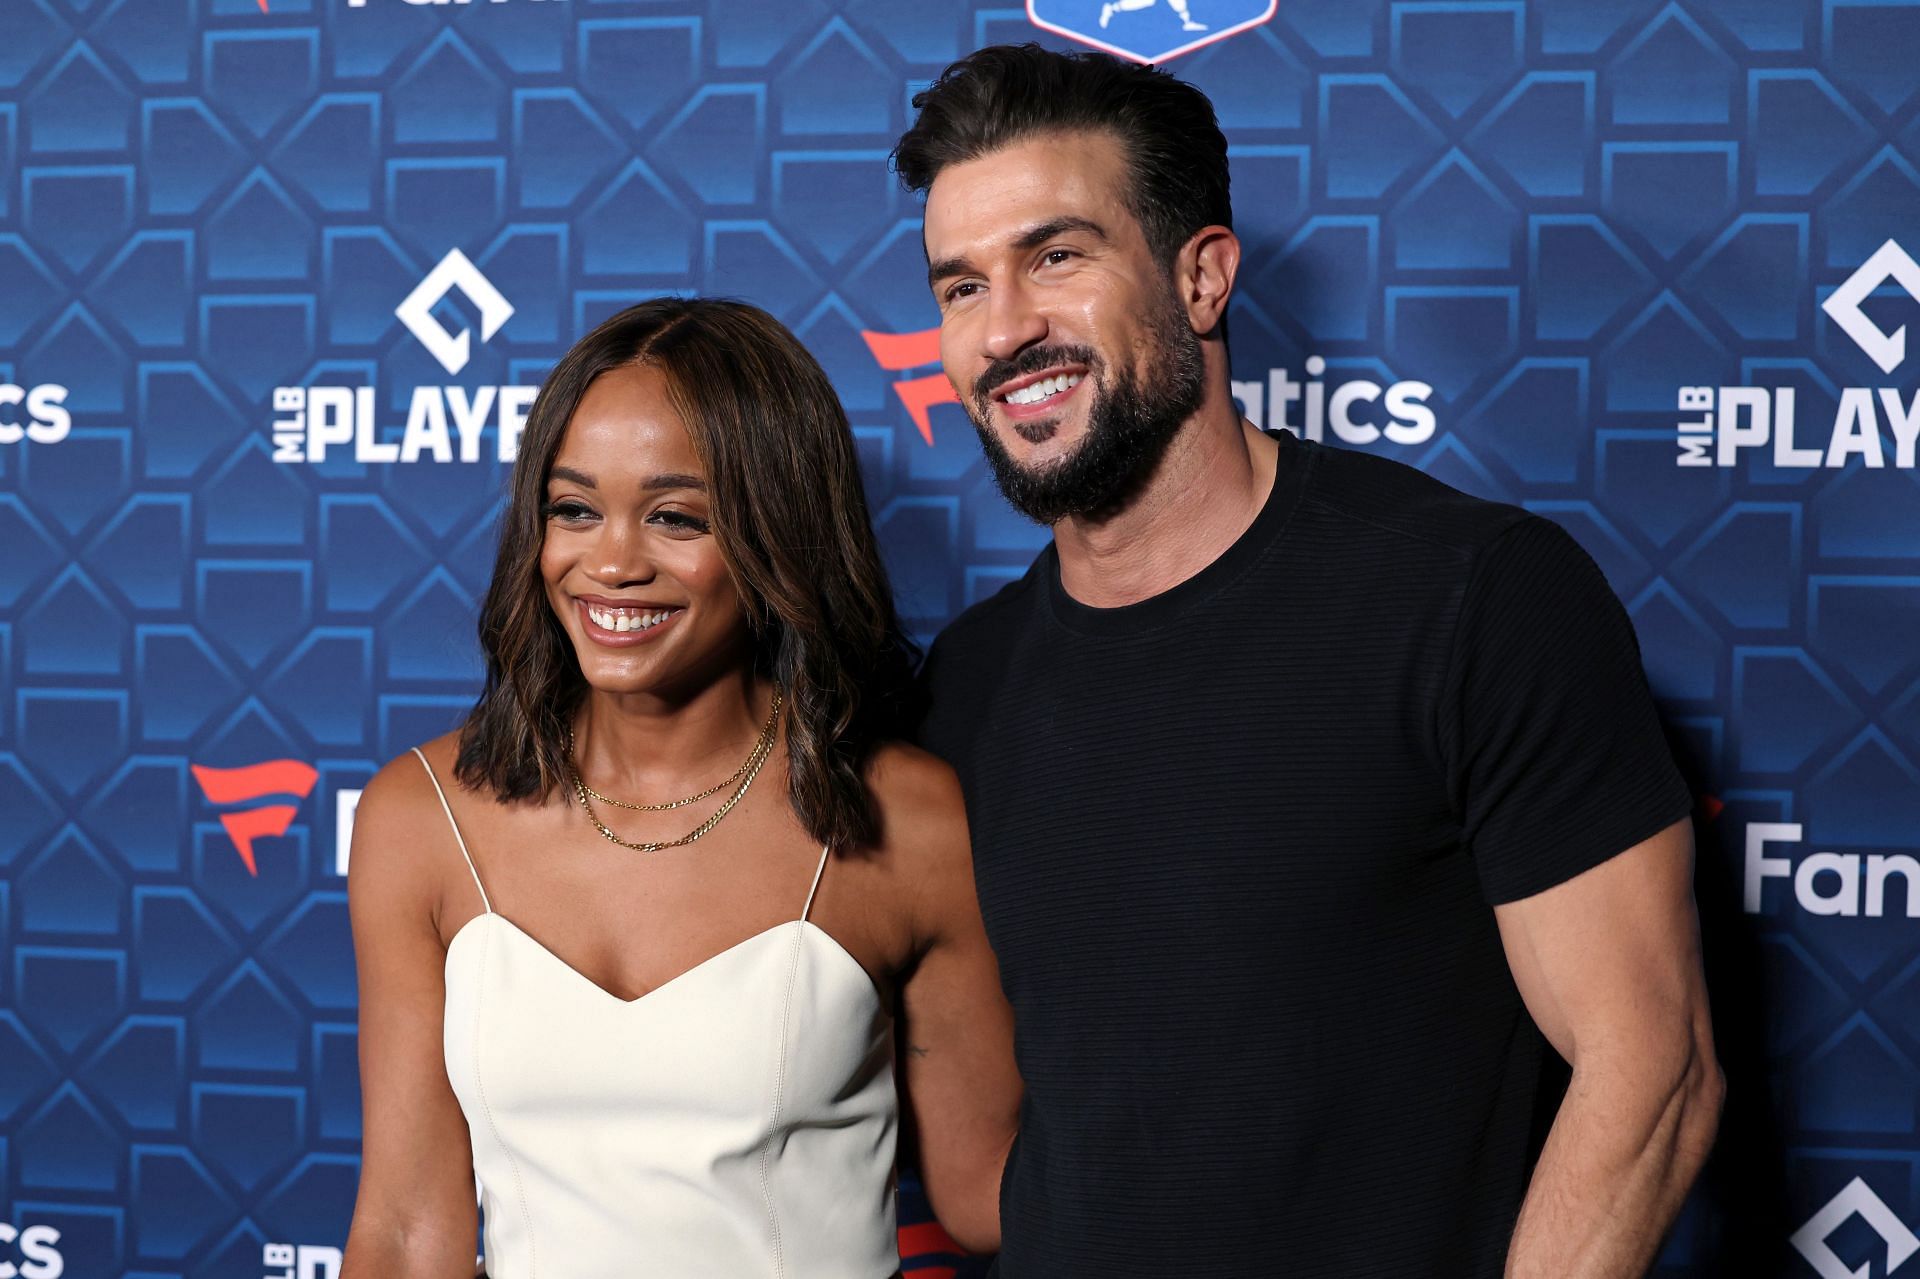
(1031, 360)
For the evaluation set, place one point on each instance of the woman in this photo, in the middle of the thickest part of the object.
(629, 940)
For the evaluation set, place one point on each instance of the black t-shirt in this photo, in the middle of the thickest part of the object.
(1237, 847)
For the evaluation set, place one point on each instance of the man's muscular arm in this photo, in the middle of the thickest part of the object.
(1609, 965)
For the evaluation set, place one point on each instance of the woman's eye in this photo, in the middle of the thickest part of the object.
(566, 511)
(681, 521)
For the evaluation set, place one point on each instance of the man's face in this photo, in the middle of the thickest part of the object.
(1063, 336)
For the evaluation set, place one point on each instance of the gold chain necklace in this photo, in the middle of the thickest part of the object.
(766, 735)
(751, 770)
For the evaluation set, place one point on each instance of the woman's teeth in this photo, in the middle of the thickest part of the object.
(1038, 391)
(626, 619)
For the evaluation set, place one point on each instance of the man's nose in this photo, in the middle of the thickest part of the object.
(1014, 323)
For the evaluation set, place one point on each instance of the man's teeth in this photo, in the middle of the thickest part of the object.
(1038, 391)
(626, 619)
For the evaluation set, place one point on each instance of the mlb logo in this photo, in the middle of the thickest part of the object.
(1149, 30)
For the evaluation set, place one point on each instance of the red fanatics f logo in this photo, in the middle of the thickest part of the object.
(256, 781)
(897, 351)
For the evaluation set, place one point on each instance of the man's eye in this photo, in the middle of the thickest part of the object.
(961, 290)
(1056, 256)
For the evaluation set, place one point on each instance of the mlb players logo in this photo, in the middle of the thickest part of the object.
(1149, 30)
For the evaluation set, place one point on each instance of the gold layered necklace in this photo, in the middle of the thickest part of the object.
(742, 778)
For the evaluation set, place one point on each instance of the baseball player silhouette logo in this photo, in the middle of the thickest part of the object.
(1129, 6)
(1149, 30)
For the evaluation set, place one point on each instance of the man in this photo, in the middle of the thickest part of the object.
(1311, 799)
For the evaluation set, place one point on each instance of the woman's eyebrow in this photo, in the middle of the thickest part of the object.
(675, 480)
(652, 484)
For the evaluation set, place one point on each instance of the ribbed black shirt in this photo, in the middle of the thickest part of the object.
(1237, 847)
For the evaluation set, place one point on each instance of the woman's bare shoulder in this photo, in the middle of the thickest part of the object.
(398, 823)
(404, 783)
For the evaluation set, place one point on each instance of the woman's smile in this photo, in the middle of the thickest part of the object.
(619, 625)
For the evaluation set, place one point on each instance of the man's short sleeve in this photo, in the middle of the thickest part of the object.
(1556, 760)
(931, 713)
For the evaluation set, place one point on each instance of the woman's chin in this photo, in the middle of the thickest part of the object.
(619, 677)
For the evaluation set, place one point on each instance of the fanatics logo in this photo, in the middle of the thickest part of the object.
(35, 413)
(34, 1245)
(1407, 419)
(899, 351)
(1350, 408)
(1889, 262)
(1149, 30)
(256, 781)
(455, 271)
(1857, 1198)
(1825, 883)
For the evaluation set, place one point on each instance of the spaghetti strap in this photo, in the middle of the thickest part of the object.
(818, 871)
(471, 868)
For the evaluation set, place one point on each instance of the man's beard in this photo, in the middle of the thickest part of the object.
(1129, 425)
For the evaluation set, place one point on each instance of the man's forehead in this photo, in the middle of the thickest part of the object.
(994, 199)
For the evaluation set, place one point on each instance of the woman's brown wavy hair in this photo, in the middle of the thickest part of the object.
(791, 519)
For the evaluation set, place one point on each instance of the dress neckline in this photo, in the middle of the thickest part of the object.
(807, 926)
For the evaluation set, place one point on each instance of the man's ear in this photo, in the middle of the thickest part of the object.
(1205, 273)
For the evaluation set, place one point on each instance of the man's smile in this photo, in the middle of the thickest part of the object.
(1039, 394)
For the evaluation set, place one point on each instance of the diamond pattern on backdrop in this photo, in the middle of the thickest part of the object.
(1550, 215)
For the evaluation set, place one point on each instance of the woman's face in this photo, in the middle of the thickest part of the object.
(630, 562)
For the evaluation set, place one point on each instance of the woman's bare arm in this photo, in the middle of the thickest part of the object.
(960, 1084)
(415, 1217)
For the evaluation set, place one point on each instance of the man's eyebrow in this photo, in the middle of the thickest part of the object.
(1031, 238)
(1034, 237)
(946, 269)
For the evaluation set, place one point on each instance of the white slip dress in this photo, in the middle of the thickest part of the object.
(738, 1120)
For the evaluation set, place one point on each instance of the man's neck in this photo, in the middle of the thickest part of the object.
(1206, 492)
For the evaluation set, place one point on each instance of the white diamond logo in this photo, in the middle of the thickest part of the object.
(1889, 262)
(453, 350)
(1856, 1197)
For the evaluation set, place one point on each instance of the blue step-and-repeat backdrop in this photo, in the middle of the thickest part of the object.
(278, 278)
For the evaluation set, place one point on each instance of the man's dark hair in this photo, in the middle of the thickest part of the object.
(1007, 93)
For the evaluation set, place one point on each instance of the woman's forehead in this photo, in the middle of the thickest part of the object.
(626, 424)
